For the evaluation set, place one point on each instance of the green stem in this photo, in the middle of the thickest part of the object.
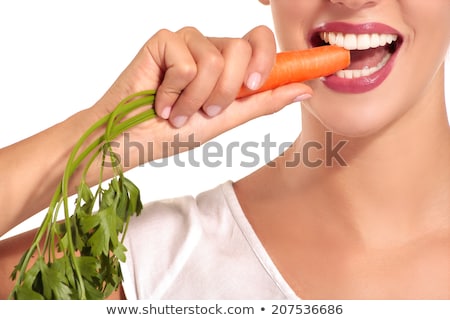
(115, 125)
(71, 167)
(37, 238)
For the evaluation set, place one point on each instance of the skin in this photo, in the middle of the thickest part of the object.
(375, 229)
(379, 227)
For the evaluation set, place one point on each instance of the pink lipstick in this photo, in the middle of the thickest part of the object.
(374, 48)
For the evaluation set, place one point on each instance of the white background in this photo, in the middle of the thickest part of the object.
(58, 57)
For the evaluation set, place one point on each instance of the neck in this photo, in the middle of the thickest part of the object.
(395, 181)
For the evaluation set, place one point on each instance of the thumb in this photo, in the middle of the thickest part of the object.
(264, 103)
(246, 109)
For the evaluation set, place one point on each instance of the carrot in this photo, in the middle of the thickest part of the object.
(299, 66)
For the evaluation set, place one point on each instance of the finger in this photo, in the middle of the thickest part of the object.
(177, 68)
(261, 104)
(263, 44)
(209, 66)
(244, 110)
(236, 54)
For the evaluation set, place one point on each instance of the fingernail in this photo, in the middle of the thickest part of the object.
(253, 81)
(213, 110)
(166, 112)
(302, 97)
(179, 121)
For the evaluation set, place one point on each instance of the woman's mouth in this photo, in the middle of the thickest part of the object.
(373, 48)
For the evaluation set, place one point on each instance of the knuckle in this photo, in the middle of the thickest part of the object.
(264, 31)
(214, 62)
(163, 33)
(157, 40)
(186, 72)
(188, 30)
(241, 45)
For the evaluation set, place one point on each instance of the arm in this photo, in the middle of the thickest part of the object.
(11, 250)
(31, 169)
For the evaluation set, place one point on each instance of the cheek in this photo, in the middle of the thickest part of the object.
(432, 13)
(421, 60)
(429, 22)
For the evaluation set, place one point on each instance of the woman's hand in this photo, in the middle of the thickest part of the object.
(198, 79)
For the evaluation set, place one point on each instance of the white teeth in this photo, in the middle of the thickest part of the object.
(364, 42)
(391, 38)
(340, 40)
(352, 41)
(375, 40)
(353, 74)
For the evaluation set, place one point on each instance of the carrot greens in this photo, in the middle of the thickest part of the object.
(80, 258)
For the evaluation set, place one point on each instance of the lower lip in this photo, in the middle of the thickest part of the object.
(362, 84)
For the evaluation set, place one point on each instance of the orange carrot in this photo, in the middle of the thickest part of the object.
(299, 66)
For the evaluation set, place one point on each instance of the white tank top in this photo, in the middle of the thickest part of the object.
(199, 248)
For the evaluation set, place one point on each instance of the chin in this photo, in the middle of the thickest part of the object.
(354, 122)
(352, 131)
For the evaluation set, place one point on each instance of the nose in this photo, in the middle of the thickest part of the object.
(355, 4)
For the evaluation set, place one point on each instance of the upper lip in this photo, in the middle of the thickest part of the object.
(349, 28)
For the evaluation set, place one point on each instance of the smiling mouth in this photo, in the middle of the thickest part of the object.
(370, 52)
